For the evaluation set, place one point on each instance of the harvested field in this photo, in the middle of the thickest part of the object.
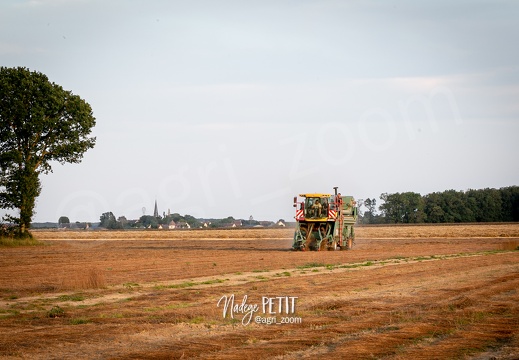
(421, 292)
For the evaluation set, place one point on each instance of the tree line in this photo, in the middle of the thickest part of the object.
(109, 221)
(450, 206)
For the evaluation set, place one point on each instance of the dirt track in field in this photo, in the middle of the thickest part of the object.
(422, 292)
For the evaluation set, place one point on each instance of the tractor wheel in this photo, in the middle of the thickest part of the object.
(347, 244)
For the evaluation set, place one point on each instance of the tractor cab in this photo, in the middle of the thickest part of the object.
(316, 207)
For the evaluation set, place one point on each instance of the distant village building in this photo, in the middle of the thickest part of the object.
(182, 225)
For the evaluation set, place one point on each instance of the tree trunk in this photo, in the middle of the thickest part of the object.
(29, 188)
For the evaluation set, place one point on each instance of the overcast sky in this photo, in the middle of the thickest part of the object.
(231, 108)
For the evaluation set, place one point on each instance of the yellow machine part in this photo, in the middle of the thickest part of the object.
(315, 195)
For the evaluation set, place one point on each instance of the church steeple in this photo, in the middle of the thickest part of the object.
(156, 211)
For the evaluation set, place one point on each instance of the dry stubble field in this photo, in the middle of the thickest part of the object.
(406, 292)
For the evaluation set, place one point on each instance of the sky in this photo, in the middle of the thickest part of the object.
(232, 108)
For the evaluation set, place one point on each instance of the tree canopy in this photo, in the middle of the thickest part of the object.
(40, 122)
(450, 206)
(63, 220)
(107, 221)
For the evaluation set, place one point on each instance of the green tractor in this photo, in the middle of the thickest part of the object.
(324, 222)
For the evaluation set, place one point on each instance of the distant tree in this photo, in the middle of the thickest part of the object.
(222, 222)
(485, 204)
(40, 123)
(494, 204)
(108, 221)
(455, 207)
(510, 203)
(413, 208)
(122, 222)
(63, 220)
(227, 221)
(148, 221)
(391, 208)
(370, 213)
(192, 221)
(402, 207)
(251, 222)
(451, 206)
(176, 217)
(433, 207)
(172, 217)
(481, 205)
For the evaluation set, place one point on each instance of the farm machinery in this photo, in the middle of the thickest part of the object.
(324, 221)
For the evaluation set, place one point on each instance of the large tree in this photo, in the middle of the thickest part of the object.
(40, 123)
(403, 207)
(107, 221)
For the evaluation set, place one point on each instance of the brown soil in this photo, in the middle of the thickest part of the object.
(421, 292)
